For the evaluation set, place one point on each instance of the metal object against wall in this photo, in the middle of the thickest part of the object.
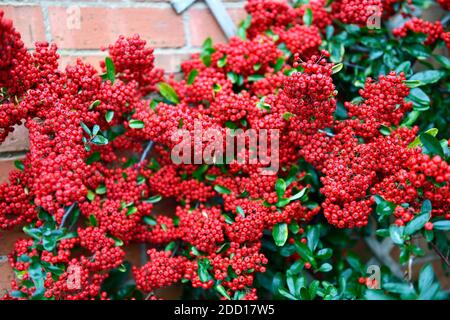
(218, 10)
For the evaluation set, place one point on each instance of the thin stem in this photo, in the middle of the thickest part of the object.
(175, 249)
(445, 20)
(144, 155)
(383, 256)
(67, 214)
(439, 253)
(143, 253)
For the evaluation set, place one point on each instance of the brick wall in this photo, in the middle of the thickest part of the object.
(81, 28)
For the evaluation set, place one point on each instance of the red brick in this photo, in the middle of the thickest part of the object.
(98, 27)
(92, 60)
(5, 167)
(170, 62)
(202, 25)
(8, 239)
(6, 275)
(16, 141)
(28, 21)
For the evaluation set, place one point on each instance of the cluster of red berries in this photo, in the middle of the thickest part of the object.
(433, 30)
(357, 11)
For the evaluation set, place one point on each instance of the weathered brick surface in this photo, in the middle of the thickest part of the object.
(170, 62)
(98, 27)
(5, 167)
(91, 59)
(6, 275)
(203, 25)
(28, 20)
(16, 141)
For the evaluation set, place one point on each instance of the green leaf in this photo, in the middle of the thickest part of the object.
(101, 189)
(168, 92)
(337, 67)
(278, 65)
(280, 187)
(428, 76)
(280, 234)
(95, 130)
(326, 267)
(255, 77)
(233, 77)
(412, 83)
(419, 97)
(207, 50)
(325, 253)
(220, 289)
(19, 165)
(222, 189)
(385, 131)
(85, 128)
(93, 220)
(382, 233)
(405, 66)
(372, 294)
(426, 278)
(222, 62)
(298, 195)
(203, 266)
(37, 275)
(198, 173)
(90, 195)
(443, 60)
(99, 140)
(257, 66)
(312, 291)
(442, 225)
(263, 105)
(287, 116)
(191, 77)
(153, 199)
(35, 233)
(417, 142)
(308, 17)
(313, 237)
(304, 252)
(117, 242)
(399, 288)
(431, 144)
(94, 104)
(417, 223)
(151, 221)
(384, 208)
(131, 210)
(109, 115)
(243, 26)
(136, 124)
(49, 242)
(396, 234)
(429, 235)
(283, 202)
(286, 294)
(110, 70)
(426, 207)
(217, 87)
(240, 211)
(94, 157)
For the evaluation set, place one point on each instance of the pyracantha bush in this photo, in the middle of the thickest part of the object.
(358, 156)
